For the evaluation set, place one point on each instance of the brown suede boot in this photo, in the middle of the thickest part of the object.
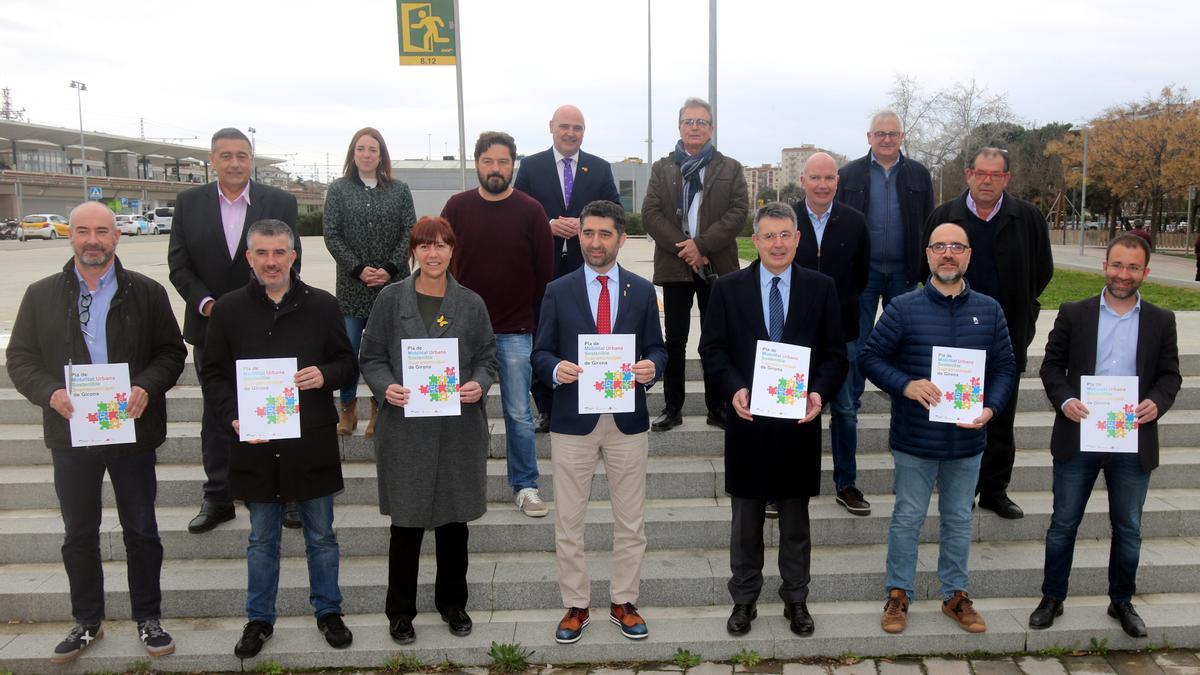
(371, 423)
(347, 418)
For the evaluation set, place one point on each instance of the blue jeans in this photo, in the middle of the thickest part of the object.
(843, 427)
(262, 557)
(354, 330)
(1073, 481)
(915, 478)
(78, 479)
(879, 285)
(516, 374)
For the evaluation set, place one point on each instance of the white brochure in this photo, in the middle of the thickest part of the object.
(1111, 425)
(268, 399)
(780, 386)
(430, 368)
(958, 374)
(606, 384)
(99, 393)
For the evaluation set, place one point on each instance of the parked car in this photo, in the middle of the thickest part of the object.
(134, 225)
(161, 217)
(42, 226)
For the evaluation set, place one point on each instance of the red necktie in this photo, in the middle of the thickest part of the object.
(603, 322)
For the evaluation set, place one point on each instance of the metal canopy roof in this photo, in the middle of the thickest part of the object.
(24, 132)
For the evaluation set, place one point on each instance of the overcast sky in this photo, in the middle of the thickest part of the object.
(306, 74)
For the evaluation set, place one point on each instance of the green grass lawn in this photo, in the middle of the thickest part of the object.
(1069, 285)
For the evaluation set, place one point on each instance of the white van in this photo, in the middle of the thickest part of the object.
(162, 218)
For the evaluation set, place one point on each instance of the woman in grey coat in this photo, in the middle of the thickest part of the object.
(431, 470)
(367, 220)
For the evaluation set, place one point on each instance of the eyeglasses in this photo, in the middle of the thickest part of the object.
(955, 248)
(85, 304)
(994, 175)
(785, 236)
(880, 135)
(695, 122)
(1118, 268)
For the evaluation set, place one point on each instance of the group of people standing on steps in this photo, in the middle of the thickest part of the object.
(516, 270)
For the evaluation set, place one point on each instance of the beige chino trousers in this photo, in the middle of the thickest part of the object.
(574, 460)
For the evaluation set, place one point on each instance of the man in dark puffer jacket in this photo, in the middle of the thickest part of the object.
(897, 356)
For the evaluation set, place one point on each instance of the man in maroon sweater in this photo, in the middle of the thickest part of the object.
(505, 253)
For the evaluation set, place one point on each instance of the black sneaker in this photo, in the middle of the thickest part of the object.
(254, 636)
(334, 630)
(157, 641)
(853, 500)
(79, 639)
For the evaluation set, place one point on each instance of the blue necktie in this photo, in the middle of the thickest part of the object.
(568, 181)
(775, 307)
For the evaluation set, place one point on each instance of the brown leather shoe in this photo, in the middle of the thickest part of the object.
(626, 616)
(895, 612)
(960, 608)
(347, 418)
(371, 422)
(570, 629)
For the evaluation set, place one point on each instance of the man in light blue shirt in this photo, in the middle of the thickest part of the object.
(1113, 334)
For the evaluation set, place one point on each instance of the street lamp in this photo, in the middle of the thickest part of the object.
(253, 151)
(1083, 193)
(79, 88)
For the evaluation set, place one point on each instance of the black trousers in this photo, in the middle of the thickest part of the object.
(78, 478)
(677, 310)
(746, 549)
(450, 585)
(216, 442)
(995, 469)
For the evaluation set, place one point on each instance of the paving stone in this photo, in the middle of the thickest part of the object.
(943, 666)
(1087, 664)
(1132, 663)
(999, 666)
(804, 669)
(865, 667)
(900, 668)
(561, 671)
(1178, 662)
(710, 668)
(1041, 665)
(609, 671)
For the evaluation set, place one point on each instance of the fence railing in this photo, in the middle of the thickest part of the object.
(1172, 241)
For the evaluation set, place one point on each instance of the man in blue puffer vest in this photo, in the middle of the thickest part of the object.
(897, 356)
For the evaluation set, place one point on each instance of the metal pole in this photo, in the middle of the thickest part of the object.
(712, 64)
(79, 88)
(649, 92)
(253, 150)
(462, 129)
(1083, 194)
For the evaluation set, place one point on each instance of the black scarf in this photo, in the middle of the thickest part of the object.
(690, 166)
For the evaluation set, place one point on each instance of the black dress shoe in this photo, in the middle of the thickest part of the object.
(715, 420)
(402, 631)
(1043, 616)
(211, 514)
(254, 636)
(799, 620)
(459, 621)
(669, 419)
(740, 618)
(335, 631)
(1002, 505)
(1131, 623)
(291, 516)
(543, 424)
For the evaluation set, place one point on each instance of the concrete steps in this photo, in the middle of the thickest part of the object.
(207, 644)
(512, 578)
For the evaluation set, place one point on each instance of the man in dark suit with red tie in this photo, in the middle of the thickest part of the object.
(600, 297)
(563, 179)
(769, 459)
(207, 259)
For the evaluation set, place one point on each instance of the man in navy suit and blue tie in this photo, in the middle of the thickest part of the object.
(564, 179)
(600, 297)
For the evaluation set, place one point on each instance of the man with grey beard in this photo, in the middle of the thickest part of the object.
(96, 312)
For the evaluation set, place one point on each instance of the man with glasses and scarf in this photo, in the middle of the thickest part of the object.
(1010, 263)
(95, 311)
(695, 206)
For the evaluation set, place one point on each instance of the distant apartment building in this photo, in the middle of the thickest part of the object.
(791, 165)
(759, 178)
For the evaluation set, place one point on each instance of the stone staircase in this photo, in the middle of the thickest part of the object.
(512, 578)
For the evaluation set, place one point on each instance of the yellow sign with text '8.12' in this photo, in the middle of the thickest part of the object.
(426, 31)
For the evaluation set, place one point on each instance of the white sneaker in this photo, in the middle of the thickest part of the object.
(530, 503)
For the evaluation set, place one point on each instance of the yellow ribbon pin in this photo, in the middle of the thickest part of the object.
(441, 321)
